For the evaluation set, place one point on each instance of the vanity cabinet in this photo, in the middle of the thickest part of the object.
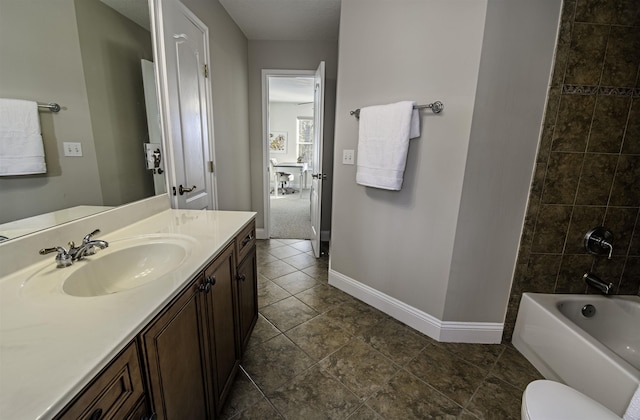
(175, 355)
(191, 349)
(183, 363)
(247, 280)
(221, 321)
(116, 393)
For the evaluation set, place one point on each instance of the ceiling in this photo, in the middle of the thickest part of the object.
(136, 10)
(269, 20)
(291, 89)
(286, 20)
(274, 20)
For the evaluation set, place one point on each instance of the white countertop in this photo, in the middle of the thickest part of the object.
(52, 345)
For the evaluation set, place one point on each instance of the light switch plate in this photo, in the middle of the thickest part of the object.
(348, 157)
(72, 149)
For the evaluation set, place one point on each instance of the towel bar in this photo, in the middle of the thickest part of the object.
(436, 107)
(53, 107)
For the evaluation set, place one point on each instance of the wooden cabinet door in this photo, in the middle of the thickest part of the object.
(222, 329)
(113, 393)
(247, 286)
(175, 354)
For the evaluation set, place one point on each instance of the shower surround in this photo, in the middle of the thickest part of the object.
(587, 170)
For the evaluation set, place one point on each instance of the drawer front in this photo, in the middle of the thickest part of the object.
(245, 241)
(114, 392)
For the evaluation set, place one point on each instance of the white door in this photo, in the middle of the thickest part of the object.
(316, 172)
(153, 123)
(188, 108)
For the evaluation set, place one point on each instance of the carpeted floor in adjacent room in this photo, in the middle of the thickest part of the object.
(291, 216)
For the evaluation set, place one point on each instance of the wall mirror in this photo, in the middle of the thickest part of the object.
(89, 57)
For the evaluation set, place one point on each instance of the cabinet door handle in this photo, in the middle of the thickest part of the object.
(211, 280)
(241, 277)
(96, 415)
(247, 239)
(205, 287)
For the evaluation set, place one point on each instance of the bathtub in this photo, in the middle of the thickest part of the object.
(597, 355)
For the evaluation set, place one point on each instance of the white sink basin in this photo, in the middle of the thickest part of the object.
(124, 265)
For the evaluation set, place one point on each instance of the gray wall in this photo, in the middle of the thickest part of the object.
(42, 67)
(401, 242)
(445, 244)
(517, 53)
(289, 55)
(112, 47)
(229, 81)
(283, 116)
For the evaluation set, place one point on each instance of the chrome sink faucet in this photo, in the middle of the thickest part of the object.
(87, 247)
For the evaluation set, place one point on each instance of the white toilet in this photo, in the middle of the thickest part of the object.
(550, 400)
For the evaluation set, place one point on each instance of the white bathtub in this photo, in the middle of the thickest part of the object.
(599, 356)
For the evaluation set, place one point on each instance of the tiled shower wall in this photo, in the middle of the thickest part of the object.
(587, 170)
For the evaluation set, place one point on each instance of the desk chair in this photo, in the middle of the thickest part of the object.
(282, 178)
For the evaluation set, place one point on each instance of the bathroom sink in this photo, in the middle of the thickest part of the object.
(124, 265)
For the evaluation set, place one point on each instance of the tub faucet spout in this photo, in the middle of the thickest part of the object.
(594, 281)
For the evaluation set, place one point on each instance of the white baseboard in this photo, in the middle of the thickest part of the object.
(444, 331)
(325, 235)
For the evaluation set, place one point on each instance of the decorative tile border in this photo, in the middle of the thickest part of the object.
(600, 90)
(579, 90)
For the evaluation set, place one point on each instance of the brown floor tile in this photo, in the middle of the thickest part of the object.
(288, 313)
(269, 292)
(295, 282)
(365, 413)
(496, 399)
(318, 337)
(360, 352)
(274, 362)
(318, 272)
(447, 373)
(304, 246)
(314, 395)
(361, 368)
(263, 331)
(300, 261)
(323, 297)
(482, 355)
(242, 395)
(355, 316)
(284, 252)
(259, 411)
(407, 397)
(514, 369)
(395, 340)
(275, 269)
(263, 257)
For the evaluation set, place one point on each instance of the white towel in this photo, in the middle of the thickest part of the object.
(21, 148)
(633, 411)
(383, 143)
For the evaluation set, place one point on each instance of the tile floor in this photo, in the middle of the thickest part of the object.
(318, 353)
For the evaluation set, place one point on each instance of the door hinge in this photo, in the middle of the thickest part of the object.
(206, 74)
(210, 165)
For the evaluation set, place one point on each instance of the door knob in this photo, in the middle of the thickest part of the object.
(319, 176)
(183, 190)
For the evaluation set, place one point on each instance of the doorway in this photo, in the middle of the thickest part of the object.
(291, 117)
(289, 151)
